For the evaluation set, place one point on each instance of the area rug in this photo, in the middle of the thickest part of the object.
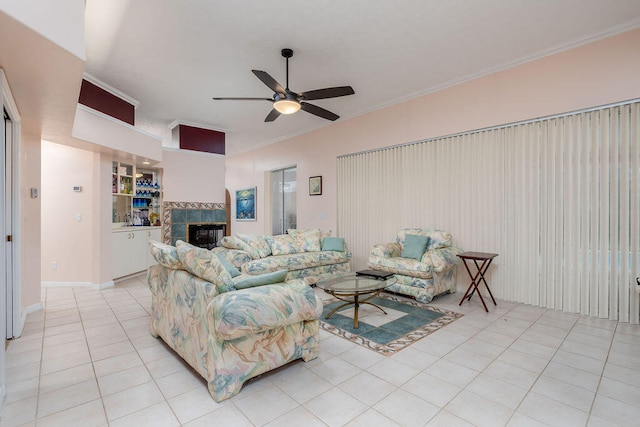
(406, 322)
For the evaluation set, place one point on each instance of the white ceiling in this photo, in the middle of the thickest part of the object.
(173, 56)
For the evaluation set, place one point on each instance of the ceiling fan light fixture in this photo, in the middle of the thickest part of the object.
(286, 106)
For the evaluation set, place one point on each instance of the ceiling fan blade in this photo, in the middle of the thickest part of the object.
(320, 112)
(269, 81)
(243, 99)
(274, 114)
(330, 92)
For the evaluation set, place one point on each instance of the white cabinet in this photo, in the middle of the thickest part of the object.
(131, 249)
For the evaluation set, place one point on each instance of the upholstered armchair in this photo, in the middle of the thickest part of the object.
(422, 260)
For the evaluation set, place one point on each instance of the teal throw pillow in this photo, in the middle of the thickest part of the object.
(249, 281)
(231, 269)
(414, 246)
(333, 244)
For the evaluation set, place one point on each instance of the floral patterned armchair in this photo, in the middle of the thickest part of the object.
(228, 336)
(430, 273)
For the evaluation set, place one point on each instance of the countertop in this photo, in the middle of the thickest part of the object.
(121, 229)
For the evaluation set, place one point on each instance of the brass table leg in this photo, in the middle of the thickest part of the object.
(356, 302)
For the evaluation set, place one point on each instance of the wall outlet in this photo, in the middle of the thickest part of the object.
(54, 265)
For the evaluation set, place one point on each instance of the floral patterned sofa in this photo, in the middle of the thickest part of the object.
(309, 254)
(228, 335)
(423, 274)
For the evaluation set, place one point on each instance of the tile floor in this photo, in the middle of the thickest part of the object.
(88, 360)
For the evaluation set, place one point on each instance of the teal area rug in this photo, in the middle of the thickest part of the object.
(406, 322)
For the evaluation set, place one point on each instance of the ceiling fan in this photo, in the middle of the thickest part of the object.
(285, 101)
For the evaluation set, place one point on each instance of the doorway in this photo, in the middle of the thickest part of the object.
(283, 200)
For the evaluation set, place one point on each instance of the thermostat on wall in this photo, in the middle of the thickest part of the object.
(77, 188)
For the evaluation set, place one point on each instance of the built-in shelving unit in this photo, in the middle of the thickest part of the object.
(137, 195)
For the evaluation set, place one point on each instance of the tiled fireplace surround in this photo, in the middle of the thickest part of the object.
(176, 216)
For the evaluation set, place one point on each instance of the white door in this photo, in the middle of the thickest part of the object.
(122, 253)
(140, 243)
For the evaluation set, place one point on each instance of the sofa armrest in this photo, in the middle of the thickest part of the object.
(386, 250)
(248, 311)
(443, 259)
(179, 291)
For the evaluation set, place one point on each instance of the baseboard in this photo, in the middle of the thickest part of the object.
(64, 284)
(99, 286)
(28, 310)
(33, 308)
(105, 285)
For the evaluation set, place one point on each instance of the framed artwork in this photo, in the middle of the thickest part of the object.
(315, 186)
(246, 204)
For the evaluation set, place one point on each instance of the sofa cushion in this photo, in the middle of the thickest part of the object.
(282, 244)
(230, 242)
(248, 281)
(258, 244)
(250, 311)
(414, 246)
(165, 255)
(306, 240)
(205, 264)
(437, 238)
(293, 262)
(404, 266)
(333, 244)
(237, 257)
(231, 269)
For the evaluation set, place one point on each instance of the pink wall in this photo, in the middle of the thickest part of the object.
(599, 73)
(65, 240)
(62, 21)
(189, 176)
(30, 211)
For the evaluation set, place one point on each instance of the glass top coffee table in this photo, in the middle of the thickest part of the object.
(351, 288)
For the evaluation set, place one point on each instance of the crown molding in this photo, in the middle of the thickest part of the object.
(175, 123)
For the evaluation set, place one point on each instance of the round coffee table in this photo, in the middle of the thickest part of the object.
(350, 288)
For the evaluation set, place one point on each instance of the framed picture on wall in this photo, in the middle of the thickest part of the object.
(246, 204)
(315, 186)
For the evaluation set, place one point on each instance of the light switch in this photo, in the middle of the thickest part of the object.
(78, 217)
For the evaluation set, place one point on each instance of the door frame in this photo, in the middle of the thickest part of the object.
(9, 105)
(268, 180)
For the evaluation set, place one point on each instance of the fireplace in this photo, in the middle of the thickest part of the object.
(205, 235)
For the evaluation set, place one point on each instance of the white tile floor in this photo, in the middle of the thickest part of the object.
(88, 359)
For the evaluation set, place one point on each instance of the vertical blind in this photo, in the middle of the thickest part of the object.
(557, 198)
